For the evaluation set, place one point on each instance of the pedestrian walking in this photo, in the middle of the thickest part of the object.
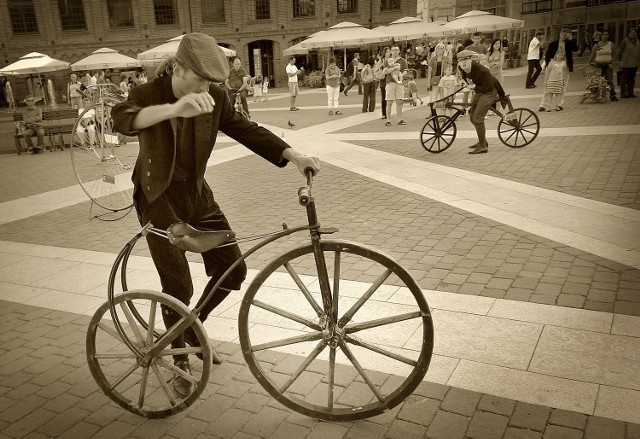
(629, 56)
(566, 43)
(533, 60)
(602, 56)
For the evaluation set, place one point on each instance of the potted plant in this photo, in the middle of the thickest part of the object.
(514, 55)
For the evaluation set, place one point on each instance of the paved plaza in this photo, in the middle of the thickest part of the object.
(528, 257)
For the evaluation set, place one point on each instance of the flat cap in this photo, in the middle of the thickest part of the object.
(201, 54)
(466, 54)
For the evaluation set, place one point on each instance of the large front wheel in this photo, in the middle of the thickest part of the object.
(358, 348)
(438, 133)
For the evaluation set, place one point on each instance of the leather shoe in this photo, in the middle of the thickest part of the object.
(181, 385)
(479, 150)
(475, 145)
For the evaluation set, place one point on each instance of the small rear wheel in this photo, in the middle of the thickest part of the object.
(438, 133)
(144, 386)
(583, 98)
(519, 128)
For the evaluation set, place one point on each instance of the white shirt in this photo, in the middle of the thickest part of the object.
(291, 68)
(94, 81)
(534, 49)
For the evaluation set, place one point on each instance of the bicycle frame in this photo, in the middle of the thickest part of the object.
(315, 231)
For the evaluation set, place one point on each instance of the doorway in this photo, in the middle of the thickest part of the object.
(261, 60)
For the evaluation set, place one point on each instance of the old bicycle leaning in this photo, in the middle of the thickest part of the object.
(518, 127)
(360, 347)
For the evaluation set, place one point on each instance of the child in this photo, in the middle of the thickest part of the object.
(265, 89)
(596, 82)
(396, 75)
(555, 77)
(413, 88)
(447, 86)
(257, 88)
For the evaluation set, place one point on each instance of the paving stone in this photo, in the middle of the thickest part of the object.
(264, 422)
(485, 425)
(448, 426)
(566, 418)
(530, 416)
(290, 431)
(521, 433)
(152, 429)
(558, 432)
(419, 410)
(598, 427)
(228, 423)
(461, 401)
(496, 404)
(29, 423)
(365, 430)
(188, 427)
(115, 429)
(400, 429)
(325, 430)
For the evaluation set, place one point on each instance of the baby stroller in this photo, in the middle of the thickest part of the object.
(597, 87)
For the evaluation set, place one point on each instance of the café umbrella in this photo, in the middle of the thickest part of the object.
(412, 28)
(34, 63)
(345, 34)
(154, 56)
(482, 21)
(105, 58)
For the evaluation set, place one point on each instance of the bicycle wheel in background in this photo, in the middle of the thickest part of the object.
(519, 127)
(102, 166)
(352, 361)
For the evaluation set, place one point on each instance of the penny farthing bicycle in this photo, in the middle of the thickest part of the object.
(518, 127)
(101, 158)
(361, 347)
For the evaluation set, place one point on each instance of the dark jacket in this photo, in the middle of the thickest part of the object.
(570, 46)
(156, 160)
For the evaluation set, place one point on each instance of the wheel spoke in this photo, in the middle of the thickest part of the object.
(152, 322)
(143, 386)
(355, 327)
(361, 371)
(287, 341)
(312, 356)
(181, 351)
(287, 314)
(358, 342)
(163, 384)
(111, 331)
(332, 376)
(372, 289)
(113, 355)
(303, 288)
(176, 370)
(132, 322)
(124, 376)
(336, 287)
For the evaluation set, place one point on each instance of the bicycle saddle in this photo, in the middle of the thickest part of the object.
(186, 237)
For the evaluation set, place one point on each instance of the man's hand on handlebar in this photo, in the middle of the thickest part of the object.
(302, 162)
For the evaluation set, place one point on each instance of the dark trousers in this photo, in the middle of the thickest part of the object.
(534, 64)
(628, 81)
(352, 82)
(479, 109)
(182, 202)
(383, 91)
(369, 96)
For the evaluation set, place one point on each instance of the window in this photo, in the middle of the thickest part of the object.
(120, 13)
(304, 8)
(347, 6)
(212, 11)
(262, 10)
(23, 17)
(389, 5)
(165, 12)
(71, 14)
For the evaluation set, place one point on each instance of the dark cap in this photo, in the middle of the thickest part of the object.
(466, 54)
(201, 54)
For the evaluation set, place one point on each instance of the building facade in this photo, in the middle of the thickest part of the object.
(259, 30)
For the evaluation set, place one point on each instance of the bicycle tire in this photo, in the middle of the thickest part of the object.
(438, 134)
(521, 130)
(135, 390)
(344, 392)
(101, 166)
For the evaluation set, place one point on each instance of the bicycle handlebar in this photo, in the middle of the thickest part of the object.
(304, 193)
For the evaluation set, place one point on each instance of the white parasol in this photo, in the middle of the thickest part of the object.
(34, 63)
(345, 34)
(412, 28)
(156, 55)
(481, 21)
(105, 59)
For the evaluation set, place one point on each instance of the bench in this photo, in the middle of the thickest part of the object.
(56, 123)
